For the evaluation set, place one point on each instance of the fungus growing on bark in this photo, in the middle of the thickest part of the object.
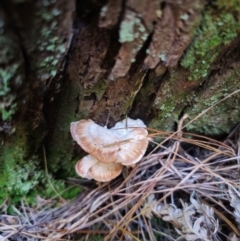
(89, 167)
(124, 144)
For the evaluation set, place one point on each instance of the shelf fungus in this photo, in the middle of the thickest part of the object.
(109, 149)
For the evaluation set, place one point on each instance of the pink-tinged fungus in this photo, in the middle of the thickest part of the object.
(90, 168)
(93, 139)
(124, 144)
(82, 167)
(134, 141)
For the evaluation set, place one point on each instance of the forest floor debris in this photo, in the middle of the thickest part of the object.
(187, 187)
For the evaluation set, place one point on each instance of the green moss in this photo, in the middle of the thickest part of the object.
(98, 89)
(19, 174)
(224, 116)
(60, 147)
(168, 113)
(7, 105)
(95, 237)
(228, 4)
(23, 174)
(170, 101)
(217, 29)
(214, 32)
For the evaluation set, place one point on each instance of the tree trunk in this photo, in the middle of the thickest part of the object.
(62, 61)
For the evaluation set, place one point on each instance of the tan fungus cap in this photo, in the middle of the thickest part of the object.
(83, 165)
(89, 167)
(119, 144)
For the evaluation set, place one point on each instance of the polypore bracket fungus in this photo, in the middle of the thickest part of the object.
(109, 149)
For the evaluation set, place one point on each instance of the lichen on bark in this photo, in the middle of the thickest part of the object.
(224, 116)
(215, 32)
(218, 30)
(12, 73)
(35, 45)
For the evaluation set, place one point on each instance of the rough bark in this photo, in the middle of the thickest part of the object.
(34, 36)
(154, 60)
